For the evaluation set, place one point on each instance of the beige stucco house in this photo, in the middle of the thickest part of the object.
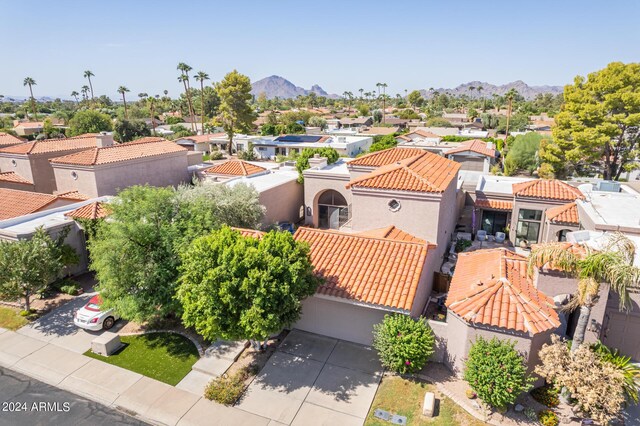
(108, 168)
(30, 161)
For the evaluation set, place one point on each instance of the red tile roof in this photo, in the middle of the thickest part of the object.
(121, 152)
(234, 168)
(425, 172)
(474, 145)
(13, 177)
(486, 203)
(423, 133)
(384, 157)
(96, 210)
(249, 232)
(391, 233)
(18, 203)
(7, 140)
(73, 195)
(491, 287)
(370, 270)
(551, 189)
(566, 213)
(53, 145)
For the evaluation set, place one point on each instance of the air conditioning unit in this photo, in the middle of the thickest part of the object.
(608, 186)
(578, 236)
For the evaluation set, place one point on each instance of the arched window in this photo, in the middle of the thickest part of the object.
(562, 234)
(333, 210)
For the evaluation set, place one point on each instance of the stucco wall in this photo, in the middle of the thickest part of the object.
(108, 179)
(541, 205)
(22, 167)
(283, 203)
(551, 229)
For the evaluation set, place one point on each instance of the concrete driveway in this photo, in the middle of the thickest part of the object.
(315, 380)
(57, 327)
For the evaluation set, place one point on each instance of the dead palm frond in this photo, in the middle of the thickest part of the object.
(555, 255)
(586, 295)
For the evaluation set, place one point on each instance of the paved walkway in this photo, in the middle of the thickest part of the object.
(315, 380)
(147, 399)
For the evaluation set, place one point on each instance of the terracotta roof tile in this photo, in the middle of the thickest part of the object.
(249, 232)
(486, 203)
(425, 172)
(474, 145)
(96, 210)
(14, 203)
(53, 145)
(566, 213)
(424, 134)
(234, 168)
(491, 287)
(73, 195)
(13, 177)
(370, 270)
(551, 189)
(391, 233)
(384, 157)
(121, 152)
(7, 140)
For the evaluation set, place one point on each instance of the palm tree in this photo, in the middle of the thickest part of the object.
(613, 264)
(28, 81)
(510, 95)
(201, 76)
(85, 91)
(152, 104)
(484, 101)
(75, 95)
(360, 90)
(88, 74)
(384, 98)
(348, 96)
(184, 73)
(122, 90)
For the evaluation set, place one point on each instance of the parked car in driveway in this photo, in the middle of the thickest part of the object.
(92, 317)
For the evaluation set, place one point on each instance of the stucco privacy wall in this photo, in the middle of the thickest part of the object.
(283, 203)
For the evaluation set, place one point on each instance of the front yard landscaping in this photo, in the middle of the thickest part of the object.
(166, 357)
(405, 397)
(11, 319)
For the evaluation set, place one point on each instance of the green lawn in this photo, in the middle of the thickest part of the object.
(166, 357)
(405, 397)
(10, 318)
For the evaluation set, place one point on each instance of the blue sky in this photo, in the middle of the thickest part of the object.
(341, 45)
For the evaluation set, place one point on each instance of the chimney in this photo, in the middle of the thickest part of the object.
(317, 162)
(104, 140)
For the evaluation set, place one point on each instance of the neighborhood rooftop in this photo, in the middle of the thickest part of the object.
(87, 140)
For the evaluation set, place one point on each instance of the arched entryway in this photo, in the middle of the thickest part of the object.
(333, 210)
(561, 235)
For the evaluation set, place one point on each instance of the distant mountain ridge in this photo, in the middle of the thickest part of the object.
(488, 89)
(276, 86)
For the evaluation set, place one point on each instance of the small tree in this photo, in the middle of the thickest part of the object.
(89, 121)
(235, 108)
(496, 372)
(302, 162)
(236, 287)
(404, 344)
(128, 130)
(597, 385)
(28, 266)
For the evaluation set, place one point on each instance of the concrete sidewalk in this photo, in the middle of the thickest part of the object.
(147, 399)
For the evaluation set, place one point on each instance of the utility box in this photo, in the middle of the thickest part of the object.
(429, 405)
(106, 344)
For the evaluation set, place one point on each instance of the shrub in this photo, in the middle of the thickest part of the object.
(215, 155)
(384, 142)
(546, 395)
(73, 289)
(530, 413)
(404, 344)
(548, 418)
(248, 155)
(226, 389)
(302, 161)
(462, 245)
(496, 372)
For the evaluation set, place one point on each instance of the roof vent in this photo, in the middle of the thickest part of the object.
(608, 186)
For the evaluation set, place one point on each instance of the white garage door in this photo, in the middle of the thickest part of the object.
(339, 320)
(470, 163)
(620, 333)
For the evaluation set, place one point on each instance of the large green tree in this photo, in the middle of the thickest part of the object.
(234, 287)
(235, 105)
(135, 254)
(128, 130)
(600, 121)
(89, 121)
(28, 266)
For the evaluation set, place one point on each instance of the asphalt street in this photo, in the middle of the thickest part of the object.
(25, 401)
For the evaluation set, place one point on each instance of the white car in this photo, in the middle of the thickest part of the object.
(92, 317)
